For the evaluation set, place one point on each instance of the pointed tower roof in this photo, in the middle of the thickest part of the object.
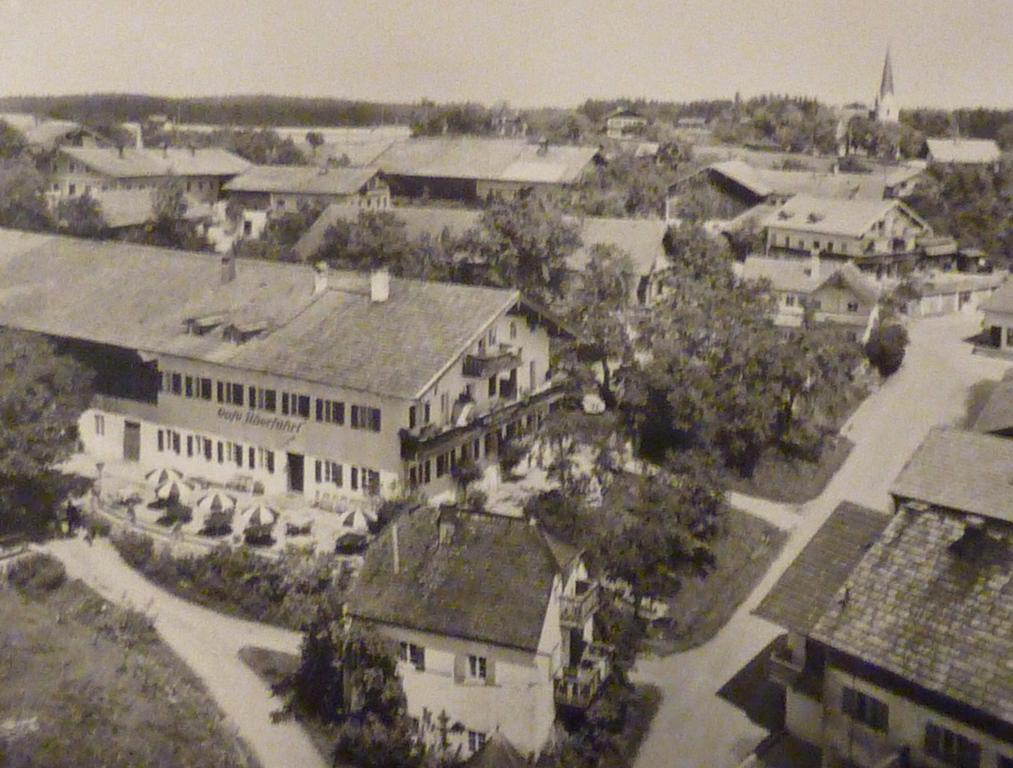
(886, 84)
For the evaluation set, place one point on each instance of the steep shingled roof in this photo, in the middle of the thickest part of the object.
(139, 297)
(301, 179)
(804, 591)
(960, 470)
(936, 612)
(138, 163)
(492, 582)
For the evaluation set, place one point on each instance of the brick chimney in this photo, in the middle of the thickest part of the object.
(379, 285)
(319, 277)
(228, 268)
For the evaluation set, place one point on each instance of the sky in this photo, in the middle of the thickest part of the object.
(946, 53)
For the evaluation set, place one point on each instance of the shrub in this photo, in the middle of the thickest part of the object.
(37, 574)
(885, 348)
(136, 548)
(511, 452)
(97, 526)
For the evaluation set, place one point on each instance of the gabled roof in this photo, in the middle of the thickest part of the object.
(624, 112)
(997, 414)
(849, 276)
(848, 218)
(39, 132)
(1001, 300)
(139, 297)
(805, 590)
(467, 157)
(932, 603)
(641, 239)
(964, 471)
(497, 752)
(491, 583)
(301, 179)
(138, 163)
(795, 275)
(764, 182)
(963, 151)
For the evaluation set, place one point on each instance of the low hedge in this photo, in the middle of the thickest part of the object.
(286, 592)
(37, 574)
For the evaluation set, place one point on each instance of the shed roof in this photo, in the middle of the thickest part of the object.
(301, 179)
(139, 297)
(965, 471)
(963, 151)
(933, 604)
(136, 163)
(805, 589)
(491, 583)
(468, 157)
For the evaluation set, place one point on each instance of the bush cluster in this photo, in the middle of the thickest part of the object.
(287, 592)
(37, 574)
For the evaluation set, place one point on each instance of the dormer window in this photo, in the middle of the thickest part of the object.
(198, 326)
(240, 333)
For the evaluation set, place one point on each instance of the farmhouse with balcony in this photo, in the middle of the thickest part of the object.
(899, 646)
(495, 623)
(284, 188)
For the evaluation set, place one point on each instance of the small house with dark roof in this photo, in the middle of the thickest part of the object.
(494, 619)
(909, 660)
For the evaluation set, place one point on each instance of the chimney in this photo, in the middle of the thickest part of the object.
(543, 146)
(379, 285)
(396, 551)
(228, 270)
(446, 524)
(319, 277)
(120, 147)
(139, 137)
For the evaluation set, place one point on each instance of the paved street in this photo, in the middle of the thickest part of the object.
(696, 729)
(209, 643)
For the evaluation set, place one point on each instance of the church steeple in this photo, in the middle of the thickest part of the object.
(886, 105)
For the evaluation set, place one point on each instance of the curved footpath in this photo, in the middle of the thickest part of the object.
(209, 643)
(694, 728)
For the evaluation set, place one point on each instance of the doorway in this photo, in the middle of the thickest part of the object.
(295, 472)
(131, 441)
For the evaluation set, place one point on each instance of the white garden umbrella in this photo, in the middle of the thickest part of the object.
(161, 476)
(216, 501)
(174, 490)
(356, 520)
(258, 515)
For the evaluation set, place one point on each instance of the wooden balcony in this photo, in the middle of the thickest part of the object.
(782, 670)
(576, 687)
(491, 362)
(575, 610)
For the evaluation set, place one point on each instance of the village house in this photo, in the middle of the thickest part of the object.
(642, 240)
(500, 638)
(125, 210)
(475, 169)
(43, 134)
(957, 151)
(998, 322)
(285, 188)
(624, 123)
(201, 173)
(837, 293)
(903, 659)
(324, 384)
(881, 237)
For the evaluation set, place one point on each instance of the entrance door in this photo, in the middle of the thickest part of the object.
(295, 472)
(131, 441)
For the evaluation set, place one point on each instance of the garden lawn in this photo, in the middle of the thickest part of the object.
(743, 552)
(85, 684)
(789, 479)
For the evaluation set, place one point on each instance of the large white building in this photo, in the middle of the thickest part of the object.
(326, 384)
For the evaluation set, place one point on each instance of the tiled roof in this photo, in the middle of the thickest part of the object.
(997, 414)
(1001, 300)
(969, 151)
(491, 583)
(767, 181)
(641, 239)
(805, 590)
(932, 602)
(961, 470)
(140, 297)
(464, 157)
(301, 179)
(850, 218)
(137, 163)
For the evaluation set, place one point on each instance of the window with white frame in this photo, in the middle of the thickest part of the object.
(476, 740)
(100, 424)
(477, 667)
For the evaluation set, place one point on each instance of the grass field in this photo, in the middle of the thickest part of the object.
(743, 552)
(84, 684)
(792, 480)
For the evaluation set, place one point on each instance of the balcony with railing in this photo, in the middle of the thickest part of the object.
(576, 687)
(782, 669)
(490, 362)
(575, 610)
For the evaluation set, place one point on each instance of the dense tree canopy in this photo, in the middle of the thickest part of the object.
(42, 394)
(22, 196)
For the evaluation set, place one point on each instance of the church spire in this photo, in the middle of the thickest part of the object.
(886, 84)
